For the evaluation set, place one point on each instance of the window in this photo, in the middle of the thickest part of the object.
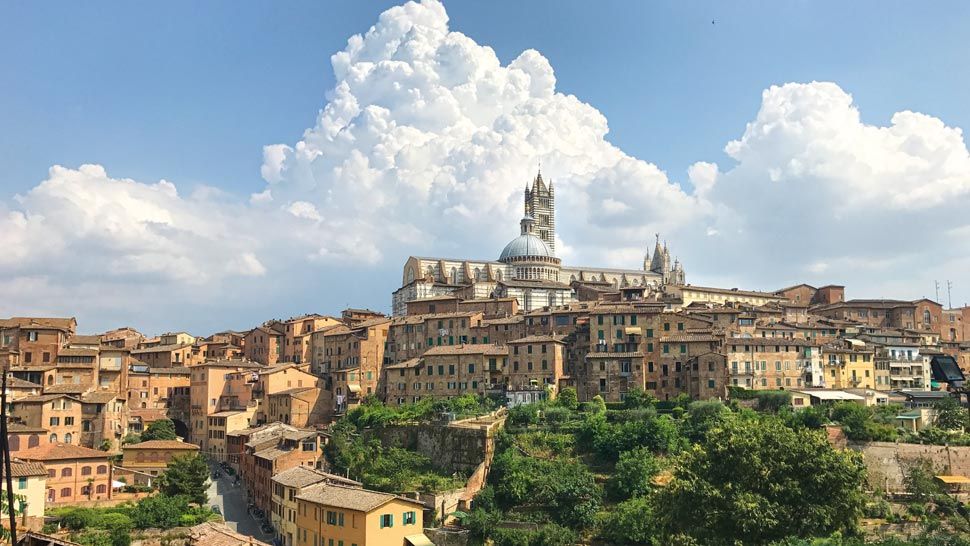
(408, 518)
(66, 472)
(55, 421)
(68, 421)
(387, 520)
(21, 483)
(85, 470)
(65, 492)
(102, 469)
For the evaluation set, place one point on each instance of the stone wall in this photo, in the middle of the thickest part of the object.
(457, 447)
(887, 462)
(447, 536)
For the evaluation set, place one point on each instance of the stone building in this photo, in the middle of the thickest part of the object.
(527, 269)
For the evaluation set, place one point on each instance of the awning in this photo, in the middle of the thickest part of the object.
(418, 540)
(118, 485)
(633, 331)
(353, 387)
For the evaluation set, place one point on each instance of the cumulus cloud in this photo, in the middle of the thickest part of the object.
(425, 144)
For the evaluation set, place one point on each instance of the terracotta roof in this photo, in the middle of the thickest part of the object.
(350, 498)
(99, 397)
(161, 348)
(39, 322)
(411, 363)
(162, 444)
(59, 452)
(23, 469)
(288, 392)
(301, 476)
(79, 339)
(218, 534)
(467, 349)
(66, 388)
(41, 398)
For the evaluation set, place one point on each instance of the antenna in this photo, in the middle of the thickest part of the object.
(949, 298)
(937, 284)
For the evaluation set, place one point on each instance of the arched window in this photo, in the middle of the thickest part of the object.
(33, 441)
(65, 492)
(68, 437)
(102, 469)
(101, 489)
(50, 379)
(14, 441)
(144, 405)
(454, 275)
(53, 438)
(51, 473)
(926, 317)
(66, 472)
(409, 276)
(85, 470)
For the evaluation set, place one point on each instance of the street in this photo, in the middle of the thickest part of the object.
(231, 499)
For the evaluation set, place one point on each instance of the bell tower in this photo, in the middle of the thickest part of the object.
(540, 204)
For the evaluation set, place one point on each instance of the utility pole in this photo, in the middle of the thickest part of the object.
(937, 284)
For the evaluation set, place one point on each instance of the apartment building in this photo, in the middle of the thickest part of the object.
(220, 391)
(352, 516)
(286, 486)
(264, 344)
(74, 473)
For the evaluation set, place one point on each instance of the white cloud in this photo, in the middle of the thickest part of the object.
(424, 146)
(302, 209)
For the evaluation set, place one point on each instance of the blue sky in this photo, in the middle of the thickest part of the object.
(190, 92)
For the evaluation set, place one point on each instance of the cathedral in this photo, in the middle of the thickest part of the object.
(527, 268)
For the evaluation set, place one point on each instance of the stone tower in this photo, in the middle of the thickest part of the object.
(540, 204)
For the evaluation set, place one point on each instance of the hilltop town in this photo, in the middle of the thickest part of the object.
(439, 423)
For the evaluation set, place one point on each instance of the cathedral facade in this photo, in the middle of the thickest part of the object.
(527, 268)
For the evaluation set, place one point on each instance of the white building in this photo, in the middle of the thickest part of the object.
(527, 268)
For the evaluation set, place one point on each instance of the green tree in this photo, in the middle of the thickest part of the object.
(163, 429)
(597, 404)
(638, 398)
(748, 482)
(159, 511)
(630, 522)
(918, 479)
(633, 475)
(950, 415)
(186, 476)
(568, 398)
(703, 416)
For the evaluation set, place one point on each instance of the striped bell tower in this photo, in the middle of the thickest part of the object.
(540, 204)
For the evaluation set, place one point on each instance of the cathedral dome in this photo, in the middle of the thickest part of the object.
(525, 245)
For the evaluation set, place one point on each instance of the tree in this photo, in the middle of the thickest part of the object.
(163, 429)
(703, 416)
(186, 476)
(630, 522)
(159, 511)
(568, 398)
(950, 415)
(918, 480)
(749, 482)
(597, 404)
(638, 398)
(634, 474)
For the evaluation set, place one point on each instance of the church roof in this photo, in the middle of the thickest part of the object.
(524, 245)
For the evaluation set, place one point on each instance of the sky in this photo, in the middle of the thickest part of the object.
(203, 166)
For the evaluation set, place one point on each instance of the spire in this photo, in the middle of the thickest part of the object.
(657, 263)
